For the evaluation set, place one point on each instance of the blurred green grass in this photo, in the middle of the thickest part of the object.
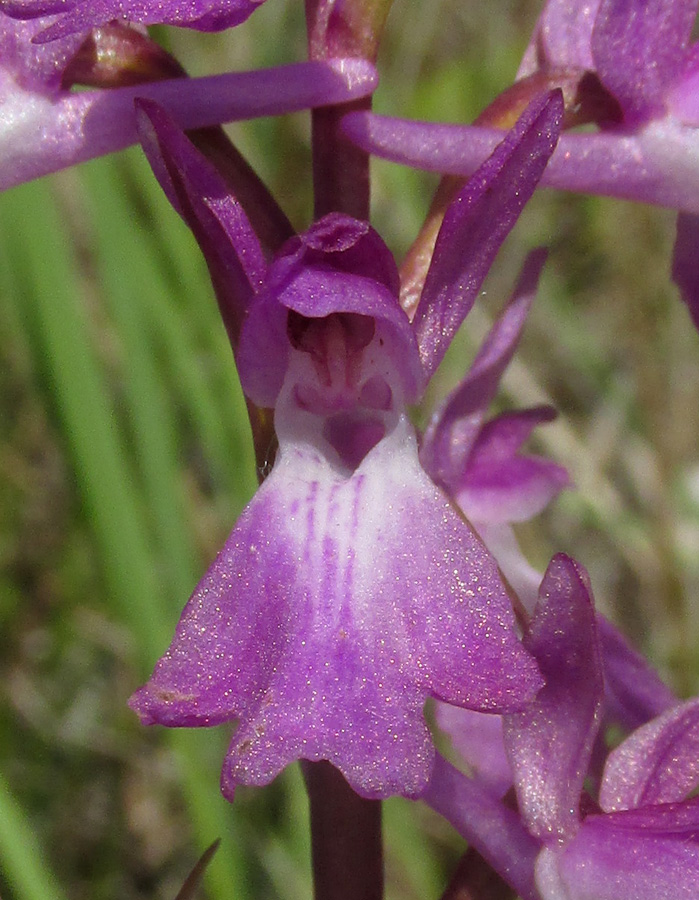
(125, 458)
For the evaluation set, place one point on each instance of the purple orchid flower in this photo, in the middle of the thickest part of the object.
(75, 16)
(478, 462)
(351, 589)
(44, 128)
(640, 51)
(644, 842)
(638, 839)
(641, 841)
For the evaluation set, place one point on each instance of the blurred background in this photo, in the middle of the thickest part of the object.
(125, 458)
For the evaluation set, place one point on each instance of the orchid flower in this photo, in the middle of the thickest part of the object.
(321, 624)
(44, 127)
(72, 17)
(638, 840)
(478, 464)
(640, 52)
(641, 841)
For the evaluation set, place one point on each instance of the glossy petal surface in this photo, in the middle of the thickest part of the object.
(201, 196)
(639, 49)
(498, 484)
(550, 742)
(562, 36)
(493, 829)
(477, 738)
(633, 691)
(338, 265)
(321, 624)
(681, 97)
(477, 222)
(636, 855)
(523, 578)
(479, 463)
(32, 66)
(452, 433)
(658, 164)
(81, 15)
(658, 763)
(39, 135)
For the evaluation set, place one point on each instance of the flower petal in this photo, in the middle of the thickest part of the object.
(478, 221)
(322, 624)
(639, 49)
(550, 742)
(521, 576)
(495, 831)
(477, 738)
(39, 136)
(637, 855)
(681, 98)
(453, 430)
(633, 691)
(658, 763)
(202, 197)
(658, 164)
(561, 37)
(31, 66)
(498, 485)
(81, 15)
(340, 265)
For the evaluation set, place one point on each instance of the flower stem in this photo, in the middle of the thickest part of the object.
(346, 843)
(340, 170)
(474, 879)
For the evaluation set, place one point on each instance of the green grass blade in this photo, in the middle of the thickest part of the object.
(21, 858)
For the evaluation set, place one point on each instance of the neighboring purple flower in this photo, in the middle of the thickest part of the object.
(44, 128)
(75, 16)
(478, 462)
(639, 839)
(640, 52)
(643, 843)
(350, 590)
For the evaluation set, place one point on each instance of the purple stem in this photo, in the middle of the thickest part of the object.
(474, 879)
(346, 842)
(340, 170)
(347, 847)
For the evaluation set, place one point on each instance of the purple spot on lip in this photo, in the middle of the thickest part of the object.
(376, 394)
(352, 435)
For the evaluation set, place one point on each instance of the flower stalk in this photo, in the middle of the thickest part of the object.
(346, 841)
